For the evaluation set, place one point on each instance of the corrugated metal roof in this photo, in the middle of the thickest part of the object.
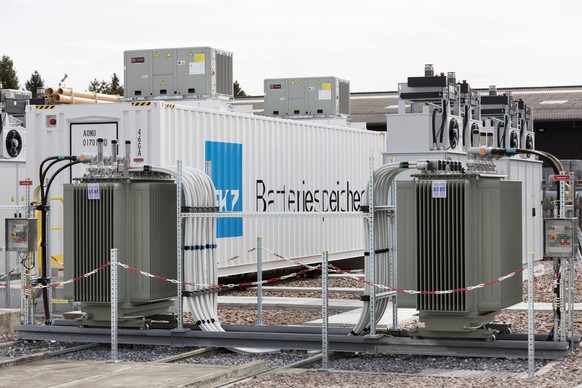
(549, 103)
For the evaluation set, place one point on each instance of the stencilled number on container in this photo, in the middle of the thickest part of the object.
(139, 142)
(92, 142)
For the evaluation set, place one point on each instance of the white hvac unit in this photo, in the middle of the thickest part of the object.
(12, 143)
(429, 117)
(426, 131)
(257, 163)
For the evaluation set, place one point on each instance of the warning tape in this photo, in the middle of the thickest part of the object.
(52, 285)
(308, 268)
(208, 287)
(237, 256)
(141, 103)
(45, 107)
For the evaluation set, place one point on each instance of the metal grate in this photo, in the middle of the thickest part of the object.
(93, 229)
(441, 246)
(224, 76)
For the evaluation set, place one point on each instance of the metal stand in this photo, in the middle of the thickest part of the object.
(372, 256)
(259, 281)
(530, 316)
(114, 305)
(179, 275)
(324, 311)
(394, 267)
(49, 261)
(7, 280)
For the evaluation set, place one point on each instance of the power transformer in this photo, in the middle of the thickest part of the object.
(190, 72)
(139, 219)
(309, 96)
(459, 230)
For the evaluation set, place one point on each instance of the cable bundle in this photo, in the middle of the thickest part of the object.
(383, 178)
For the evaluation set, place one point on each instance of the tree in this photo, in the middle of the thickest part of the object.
(34, 83)
(8, 77)
(238, 92)
(97, 86)
(113, 87)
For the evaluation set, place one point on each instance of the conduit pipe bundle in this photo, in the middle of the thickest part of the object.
(383, 178)
(199, 248)
(68, 96)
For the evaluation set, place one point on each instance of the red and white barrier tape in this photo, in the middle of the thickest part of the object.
(52, 285)
(307, 267)
(236, 257)
(201, 286)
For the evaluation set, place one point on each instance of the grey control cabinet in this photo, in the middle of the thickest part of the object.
(186, 72)
(308, 96)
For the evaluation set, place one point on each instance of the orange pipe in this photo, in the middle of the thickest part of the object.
(91, 95)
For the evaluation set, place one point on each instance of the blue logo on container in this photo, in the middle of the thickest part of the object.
(226, 172)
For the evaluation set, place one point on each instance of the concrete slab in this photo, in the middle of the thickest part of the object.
(276, 303)
(350, 318)
(9, 318)
(66, 373)
(309, 289)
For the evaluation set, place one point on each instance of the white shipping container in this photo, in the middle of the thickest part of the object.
(257, 163)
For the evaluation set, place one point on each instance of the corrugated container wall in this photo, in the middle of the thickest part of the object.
(257, 164)
(11, 173)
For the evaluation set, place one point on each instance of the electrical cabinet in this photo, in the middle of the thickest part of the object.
(560, 237)
(180, 72)
(20, 234)
(308, 96)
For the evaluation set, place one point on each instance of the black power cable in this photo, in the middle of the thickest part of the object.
(466, 126)
(43, 213)
(442, 129)
(434, 135)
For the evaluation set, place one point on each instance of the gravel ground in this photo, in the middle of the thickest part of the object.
(308, 282)
(227, 358)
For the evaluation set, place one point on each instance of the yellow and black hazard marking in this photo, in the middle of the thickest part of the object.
(170, 105)
(45, 106)
(141, 103)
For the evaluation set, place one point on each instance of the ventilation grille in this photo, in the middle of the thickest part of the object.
(224, 76)
(344, 97)
(441, 246)
(93, 229)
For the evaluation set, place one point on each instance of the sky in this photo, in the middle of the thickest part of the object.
(374, 44)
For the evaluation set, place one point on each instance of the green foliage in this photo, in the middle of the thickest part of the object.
(238, 92)
(113, 87)
(8, 77)
(34, 83)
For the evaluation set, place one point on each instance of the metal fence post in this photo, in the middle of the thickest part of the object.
(394, 267)
(259, 280)
(7, 269)
(114, 304)
(179, 258)
(324, 311)
(372, 255)
(530, 316)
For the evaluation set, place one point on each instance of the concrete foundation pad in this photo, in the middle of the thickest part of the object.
(350, 318)
(9, 318)
(65, 373)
